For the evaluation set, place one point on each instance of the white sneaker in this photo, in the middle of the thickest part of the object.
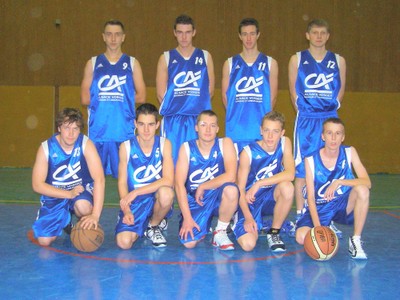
(163, 224)
(222, 241)
(154, 234)
(336, 230)
(356, 250)
(275, 243)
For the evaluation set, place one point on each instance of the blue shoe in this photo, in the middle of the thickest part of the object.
(338, 232)
(266, 225)
(289, 228)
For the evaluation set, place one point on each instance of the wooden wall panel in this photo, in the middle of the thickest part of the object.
(37, 52)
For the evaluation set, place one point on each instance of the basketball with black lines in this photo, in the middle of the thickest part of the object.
(87, 240)
(321, 243)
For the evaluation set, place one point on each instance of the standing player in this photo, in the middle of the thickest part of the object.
(317, 80)
(112, 84)
(185, 84)
(204, 184)
(68, 174)
(266, 169)
(145, 181)
(333, 193)
(249, 86)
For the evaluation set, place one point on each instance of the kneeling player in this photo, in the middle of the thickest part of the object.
(145, 180)
(266, 169)
(333, 192)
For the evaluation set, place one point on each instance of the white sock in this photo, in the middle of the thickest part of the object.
(221, 225)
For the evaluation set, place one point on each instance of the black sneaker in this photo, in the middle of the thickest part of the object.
(68, 229)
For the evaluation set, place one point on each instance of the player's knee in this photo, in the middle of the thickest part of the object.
(165, 197)
(247, 244)
(125, 241)
(82, 208)
(286, 191)
(230, 193)
(190, 245)
(362, 192)
(300, 235)
(45, 241)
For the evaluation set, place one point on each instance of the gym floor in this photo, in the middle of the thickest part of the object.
(29, 271)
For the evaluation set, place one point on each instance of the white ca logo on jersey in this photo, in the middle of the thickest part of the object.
(314, 81)
(247, 84)
(145, 174)
(200, 176)
(267, 171)
(108, 83)
(189, 78)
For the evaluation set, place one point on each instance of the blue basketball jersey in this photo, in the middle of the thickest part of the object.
(112, 100)
(323, 177)
(188, 88)
(248, 97)
(317, 83)
(143, 168)
(264, 164)
(66, 170)
(203, 169)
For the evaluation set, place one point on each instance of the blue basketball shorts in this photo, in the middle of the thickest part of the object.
(307, 137)
(142, 210)
(203, 215)
(178, 129)
(54, 214)
(109, 156)
(334, 210)
(263, 206)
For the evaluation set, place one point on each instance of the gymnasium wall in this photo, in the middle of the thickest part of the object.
(45, 45)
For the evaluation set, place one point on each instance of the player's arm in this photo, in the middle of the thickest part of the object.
(181, 173)
(293, 69)
(211, 74)
(273, 82)
(39, 185)
(243, 173)
(161, 78)
(140, 86)
(230, 164)
(225, 82)
(123, 185)
(86, 83)
(361, 172)
(289, 168)
(96, 172)
(311, 194)
(342, 72)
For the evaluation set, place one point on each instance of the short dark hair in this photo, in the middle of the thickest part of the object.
(184, 19)
(274, 116)
(333, 120)
(318, 23)
(114, 22)
(147, 109)
(207, 112)
(248, 22)
(69, 116)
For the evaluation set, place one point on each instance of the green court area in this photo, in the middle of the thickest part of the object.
(15, 187)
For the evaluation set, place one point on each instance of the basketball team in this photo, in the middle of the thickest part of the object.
(247, 180)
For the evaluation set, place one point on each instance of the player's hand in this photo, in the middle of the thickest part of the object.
(126, 201)
(199, 195)
(128, 218)
(251, 194)
(187, 228)
(250, 225)
(330, 191)
(76, 191)
(89, 221)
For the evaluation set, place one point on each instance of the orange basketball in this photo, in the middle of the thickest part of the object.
(87, 240)
(321, 243)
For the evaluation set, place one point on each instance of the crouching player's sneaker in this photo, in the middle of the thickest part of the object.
(356, 250)
(154, 234)
(274, 241)
(336, 230)
(222, 241)
(163, 224)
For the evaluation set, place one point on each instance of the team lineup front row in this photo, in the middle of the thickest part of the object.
(210, 179)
